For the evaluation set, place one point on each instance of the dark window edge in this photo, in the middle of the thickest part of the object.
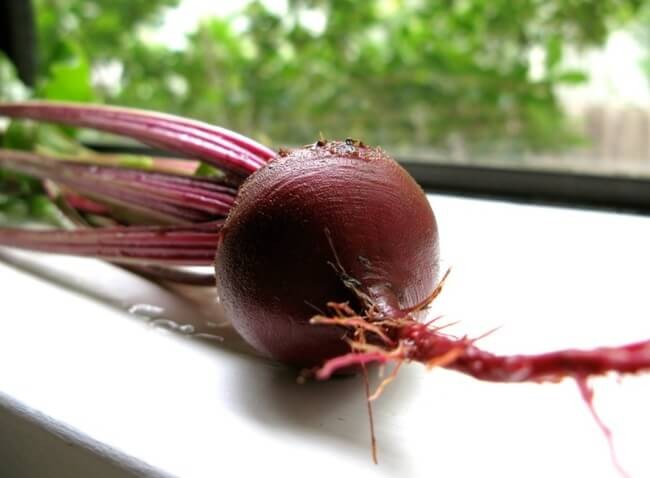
(561, 188)
(524, 185)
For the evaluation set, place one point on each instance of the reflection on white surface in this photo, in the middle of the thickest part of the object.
(550, 277)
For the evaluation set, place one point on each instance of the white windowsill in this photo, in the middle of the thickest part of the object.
(89, 390)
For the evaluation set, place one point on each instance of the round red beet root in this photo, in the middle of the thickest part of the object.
(307, 229)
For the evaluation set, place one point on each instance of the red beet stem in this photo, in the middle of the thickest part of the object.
(218, 146)
(83, 204)
(172, 245)
(182, 197)
(70, 204)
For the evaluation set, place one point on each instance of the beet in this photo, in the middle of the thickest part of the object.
(311, 220)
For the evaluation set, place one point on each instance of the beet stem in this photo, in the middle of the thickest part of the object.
(181, 197)
(218, 146)
(171, 245)
(152, 272)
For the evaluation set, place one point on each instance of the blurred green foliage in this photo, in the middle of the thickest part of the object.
(106, 29)
(401, 73)
(16, 190)
(68, 78)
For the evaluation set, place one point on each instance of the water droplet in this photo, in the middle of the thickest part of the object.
(146, 311)
(186, 329)
(164, 325)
